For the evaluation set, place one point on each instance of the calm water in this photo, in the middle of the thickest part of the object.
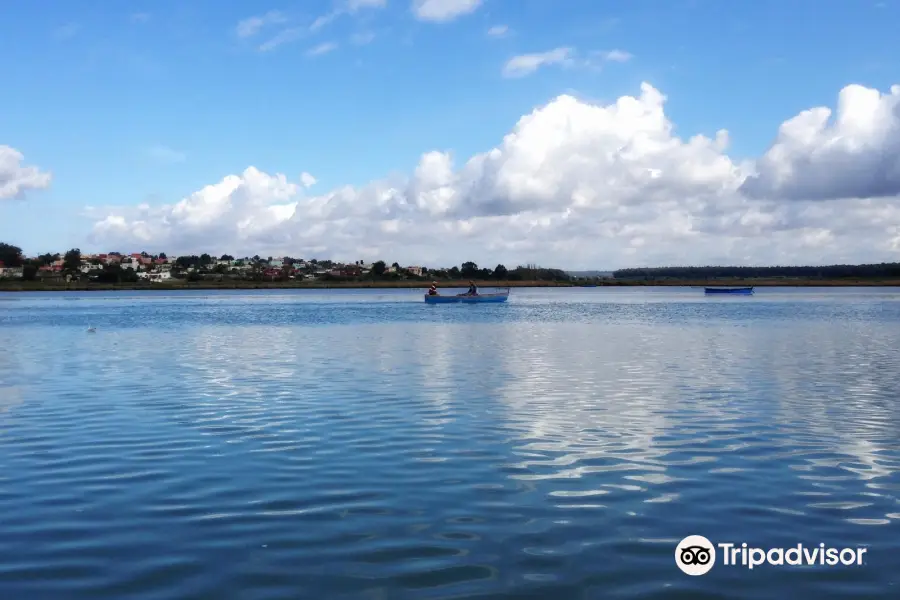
(361, 444)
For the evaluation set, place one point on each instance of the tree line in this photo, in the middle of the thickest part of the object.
(11, 256)
(868, 271)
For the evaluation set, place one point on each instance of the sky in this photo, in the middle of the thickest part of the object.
(574, 134)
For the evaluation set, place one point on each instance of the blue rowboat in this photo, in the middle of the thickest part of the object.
(741, 291)
(466, 299)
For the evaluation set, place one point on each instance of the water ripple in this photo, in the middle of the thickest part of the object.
(363, 445)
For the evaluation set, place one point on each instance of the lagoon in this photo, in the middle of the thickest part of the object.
(362, 444)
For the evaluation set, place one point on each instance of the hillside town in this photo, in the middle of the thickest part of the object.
(116, 267)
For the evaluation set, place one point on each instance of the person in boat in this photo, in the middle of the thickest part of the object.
(432, 291)
(473, 291)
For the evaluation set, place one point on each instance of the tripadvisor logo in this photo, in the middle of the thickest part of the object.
(696, 555)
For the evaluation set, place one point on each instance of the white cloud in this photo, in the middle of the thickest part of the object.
(526, 64)
(614, 56)
(441, 11)
(253, 25)
(16, 178)
(498, 31)
(323, 48)
(574, 185)
(857, 155)
(307, 180)
(284, 36)
(165, 154)
(346, 7)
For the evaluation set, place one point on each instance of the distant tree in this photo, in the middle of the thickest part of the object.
(469, 269)
(29, 272)
(184, 262)
(116, 274)
(424, 270)
(10, 255)
(227, 257)
(454, 272)
(395, 265)
(163, 256)
(72, 260)
(110, 274)
(45, 259)
(500, 272)
(882, 270)
(205, 259)
(378, 267)
(144, 254)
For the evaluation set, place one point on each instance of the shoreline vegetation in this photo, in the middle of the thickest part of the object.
(75, 271)
(175, 285)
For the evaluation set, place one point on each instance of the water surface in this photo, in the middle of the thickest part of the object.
(362, 444)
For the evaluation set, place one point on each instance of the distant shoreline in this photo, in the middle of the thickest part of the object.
(37, 286)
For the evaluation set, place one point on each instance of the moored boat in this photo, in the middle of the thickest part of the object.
(743, 291)
(466, 298)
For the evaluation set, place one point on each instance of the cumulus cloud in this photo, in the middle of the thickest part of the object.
(573, 184)
(855, 155)
(16, 178)
(526, 64)
(441, 11)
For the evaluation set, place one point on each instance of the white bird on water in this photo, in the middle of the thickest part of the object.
(91, 329)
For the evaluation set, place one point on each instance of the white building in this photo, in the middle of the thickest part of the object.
(11, 272)
(160, 276)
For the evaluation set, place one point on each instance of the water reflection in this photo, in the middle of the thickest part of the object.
(555, 447)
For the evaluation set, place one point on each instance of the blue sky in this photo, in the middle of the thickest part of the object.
(127, 103)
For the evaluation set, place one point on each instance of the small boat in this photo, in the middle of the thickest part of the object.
(465, 298)
(741, 291)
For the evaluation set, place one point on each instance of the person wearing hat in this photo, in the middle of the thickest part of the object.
(432, 291)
